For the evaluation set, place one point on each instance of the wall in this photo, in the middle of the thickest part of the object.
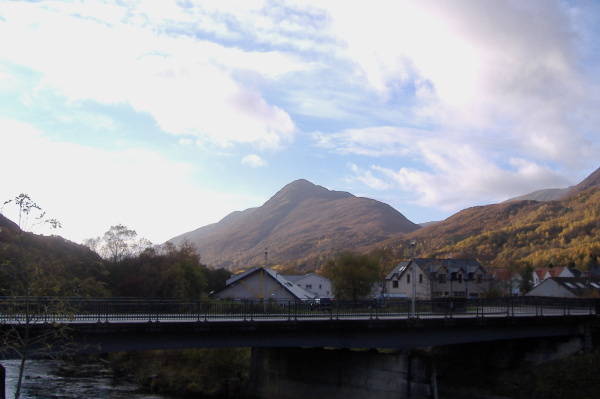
(296, 373)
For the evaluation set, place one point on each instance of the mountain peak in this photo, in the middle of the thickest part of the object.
(301, 189)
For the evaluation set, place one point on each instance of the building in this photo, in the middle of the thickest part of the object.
(542, 273)
(262, 283)
(432, 278)
(314, 283)
(507, 281)
(568, 287)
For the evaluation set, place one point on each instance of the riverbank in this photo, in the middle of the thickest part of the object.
(199, 373)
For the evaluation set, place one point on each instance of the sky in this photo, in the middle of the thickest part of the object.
(167, 116)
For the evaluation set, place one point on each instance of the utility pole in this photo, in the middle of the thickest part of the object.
(414, 276)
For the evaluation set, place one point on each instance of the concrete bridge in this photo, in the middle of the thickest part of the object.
(281, 331)
(111, 325)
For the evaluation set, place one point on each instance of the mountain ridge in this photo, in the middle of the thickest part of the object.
(298, 220)
(304, 223)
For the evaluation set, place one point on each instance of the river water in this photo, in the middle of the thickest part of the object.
(42, 381)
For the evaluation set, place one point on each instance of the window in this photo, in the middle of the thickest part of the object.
(460, 279)
(309, 286)
(320, 286)
(441, 278)
(480, 278)
(395, 284)
(420, 279)
(408, 278)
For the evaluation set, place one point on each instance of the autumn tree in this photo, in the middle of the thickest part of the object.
(185, 278)
(352, 276)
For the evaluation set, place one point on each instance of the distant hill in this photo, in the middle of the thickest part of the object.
(52, 248)
(303, 222)
(553, 194)
(564, 232)
(550, 194)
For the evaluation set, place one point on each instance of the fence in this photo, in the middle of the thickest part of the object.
(54, 309)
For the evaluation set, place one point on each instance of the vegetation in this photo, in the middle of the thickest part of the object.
(197, 372)
(352, 276)
(516, 234)
(41, 271)
(40, 283)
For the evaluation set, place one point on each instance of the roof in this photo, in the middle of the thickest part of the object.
(505, 274)
(577, 286)
(398, 270)
(433, 265)
(296, 278)
(289, 286)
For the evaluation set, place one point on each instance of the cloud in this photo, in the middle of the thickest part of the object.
(174, 78)
(253, 160)
(457, 176)
(509, 65)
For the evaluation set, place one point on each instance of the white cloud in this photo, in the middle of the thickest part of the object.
(253, 160)
(186, 84)
(457, 176)
(476, 65)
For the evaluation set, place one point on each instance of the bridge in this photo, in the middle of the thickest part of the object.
(125, 324)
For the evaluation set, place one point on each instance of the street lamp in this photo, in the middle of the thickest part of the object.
(414, 277)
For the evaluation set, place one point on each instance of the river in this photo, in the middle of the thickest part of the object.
(42, 381)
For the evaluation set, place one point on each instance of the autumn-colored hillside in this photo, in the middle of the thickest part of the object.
(565, 232)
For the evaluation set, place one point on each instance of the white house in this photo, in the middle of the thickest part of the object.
(431, 278)
(314, 283)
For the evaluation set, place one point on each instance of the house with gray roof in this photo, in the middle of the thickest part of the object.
(567, 287)
(314, 283)
(431, 278)
(262, 283)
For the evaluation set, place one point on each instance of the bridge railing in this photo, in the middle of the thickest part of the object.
(16, 310)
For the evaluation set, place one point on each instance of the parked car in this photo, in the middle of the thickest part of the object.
(321, 304)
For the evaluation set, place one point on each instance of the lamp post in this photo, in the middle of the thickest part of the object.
(414, 276)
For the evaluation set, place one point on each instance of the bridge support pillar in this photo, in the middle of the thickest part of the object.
(296, 373)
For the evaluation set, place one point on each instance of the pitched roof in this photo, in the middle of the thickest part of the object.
(435, 265)
(504, 274)
(578, 286)
(294, 289)
(398, 270)
(452, 265)
(556, 271)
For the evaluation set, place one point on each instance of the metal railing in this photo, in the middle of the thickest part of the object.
(14, 310)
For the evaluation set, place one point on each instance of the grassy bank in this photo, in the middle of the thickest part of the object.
(198, 373)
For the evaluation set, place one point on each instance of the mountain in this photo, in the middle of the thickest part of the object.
(539, 233)
(549, 194)
(553, 194)
(52, 248)
(303, 222)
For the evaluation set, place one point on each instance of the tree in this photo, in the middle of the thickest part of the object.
(118, 243)
(352, 276)
(185, 278)
(526, 284)
(35, 281)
